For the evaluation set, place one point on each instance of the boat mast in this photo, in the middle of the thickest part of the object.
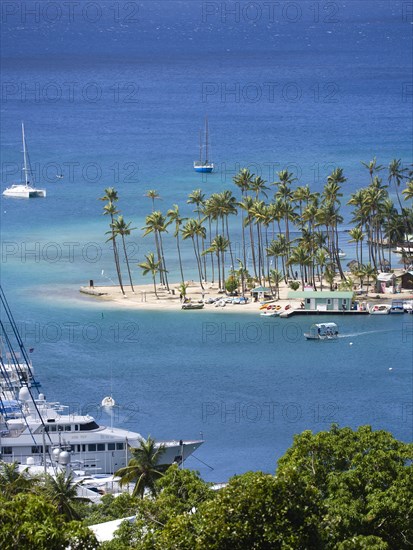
(206, 140)
(25, 169)
(200, 146)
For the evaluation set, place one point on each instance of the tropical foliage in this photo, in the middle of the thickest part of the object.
(340, 489)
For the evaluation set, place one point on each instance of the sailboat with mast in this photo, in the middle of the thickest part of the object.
(204, 166)
(24, 190)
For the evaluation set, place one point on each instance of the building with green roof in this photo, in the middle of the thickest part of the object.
(323, 300)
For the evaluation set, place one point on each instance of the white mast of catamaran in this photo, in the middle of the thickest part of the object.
(25, 169)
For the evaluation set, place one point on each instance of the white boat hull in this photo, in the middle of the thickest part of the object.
(24, 192)
(380, 309)
(203, 168)
(26, 425)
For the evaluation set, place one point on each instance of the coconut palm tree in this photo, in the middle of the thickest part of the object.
(275, 250)
(330, 274)
(396, 176)
(302, 195)
(156, 224)
(175, 217)
(197, 197)
(408, 192)
(299, 256)
(152, 194)
(247, 205)
(109, 209)
(372, 167)
(331, 192)
(258, 185)
(223, 205)
(151, 266)
(61, 490)
(357, 236)
(276, 277)
(368, 271)
(258, 213)
(243, 181)
(285, 180)
(14, 481)
(243, 275)
(191, 230)
(143, 468)
(219, 246)
(321, 258)
(120, 227)
(394, 230)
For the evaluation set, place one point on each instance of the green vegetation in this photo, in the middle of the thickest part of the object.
(335, 490)
(143, 469)
(285, 227)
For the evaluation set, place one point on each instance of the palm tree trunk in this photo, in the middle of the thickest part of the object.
(223, 269)
(127, 263)
(212, 256)
(252, 249)
(342, 276)
(163, 262)
(229, 240)
(116, 255)
(179, 256)
(244, 252)
(219, 270)
(154, 285)
(158, 253)
(198, 261)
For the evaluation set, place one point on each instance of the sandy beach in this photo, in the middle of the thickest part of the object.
(144, 297)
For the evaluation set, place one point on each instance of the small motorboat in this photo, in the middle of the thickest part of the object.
(270, 313)
(397, 306)
(322, 331)
(379, 309)
(408, 306)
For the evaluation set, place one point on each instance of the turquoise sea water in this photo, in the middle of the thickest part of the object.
(119, 101)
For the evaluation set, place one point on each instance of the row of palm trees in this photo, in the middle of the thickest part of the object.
(118, 228)
(293, 228)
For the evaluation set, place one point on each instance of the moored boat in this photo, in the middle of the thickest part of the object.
(24, 190)
(397, 306)
(379, 309)
(204, 166)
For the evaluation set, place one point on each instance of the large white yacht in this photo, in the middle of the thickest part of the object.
(33, 427)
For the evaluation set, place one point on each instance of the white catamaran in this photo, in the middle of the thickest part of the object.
(24, 190)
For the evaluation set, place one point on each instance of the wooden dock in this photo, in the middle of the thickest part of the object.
(92, 291)
(291, 312)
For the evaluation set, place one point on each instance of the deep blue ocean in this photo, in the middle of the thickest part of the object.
(114, 94)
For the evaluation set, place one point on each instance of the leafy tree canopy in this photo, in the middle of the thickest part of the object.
(29, 521)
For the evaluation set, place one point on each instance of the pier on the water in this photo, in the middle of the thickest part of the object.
(291, 312)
